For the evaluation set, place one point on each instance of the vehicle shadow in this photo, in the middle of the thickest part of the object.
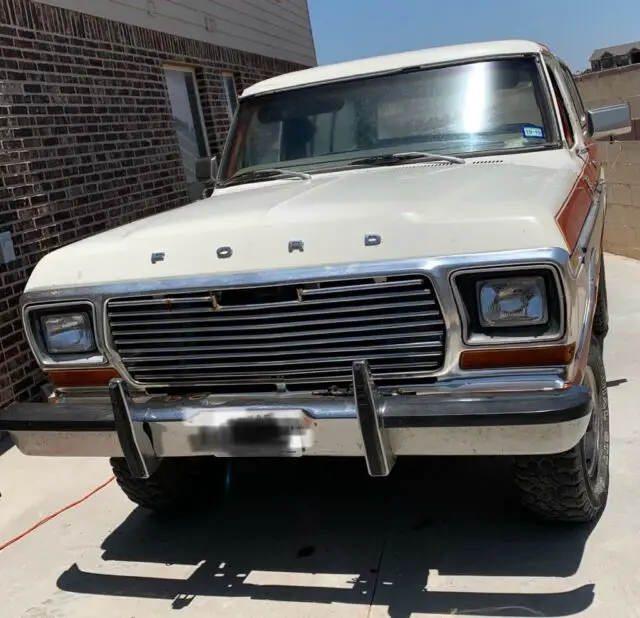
(388, 537)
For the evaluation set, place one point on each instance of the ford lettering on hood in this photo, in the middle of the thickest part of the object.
(370, 214)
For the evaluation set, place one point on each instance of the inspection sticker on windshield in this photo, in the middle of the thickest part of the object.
(533, 131)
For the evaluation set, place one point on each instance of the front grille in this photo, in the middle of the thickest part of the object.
(303, 335)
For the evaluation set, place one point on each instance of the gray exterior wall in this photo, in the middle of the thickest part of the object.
(274, 28)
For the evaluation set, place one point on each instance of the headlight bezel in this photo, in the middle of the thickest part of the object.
(32, 316)
(465, 285)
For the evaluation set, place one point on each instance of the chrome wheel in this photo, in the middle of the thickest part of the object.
(592, 438)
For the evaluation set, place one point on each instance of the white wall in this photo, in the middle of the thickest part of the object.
(276, 28)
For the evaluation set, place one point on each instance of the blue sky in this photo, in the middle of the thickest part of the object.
(347, 29)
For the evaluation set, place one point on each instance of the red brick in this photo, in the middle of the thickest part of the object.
(88, 119)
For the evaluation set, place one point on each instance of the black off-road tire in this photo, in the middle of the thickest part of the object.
(564, 487)
(180, 484)
(601, 316)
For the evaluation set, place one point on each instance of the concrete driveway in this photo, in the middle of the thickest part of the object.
(311, 540)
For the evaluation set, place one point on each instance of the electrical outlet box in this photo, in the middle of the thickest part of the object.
(7, 252)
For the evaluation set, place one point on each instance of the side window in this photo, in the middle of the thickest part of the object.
(575, 94)
(564, 114)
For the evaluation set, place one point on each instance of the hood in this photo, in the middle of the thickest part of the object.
(420, 210)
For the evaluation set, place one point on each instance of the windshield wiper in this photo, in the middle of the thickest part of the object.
(403, 157)
(264, 174)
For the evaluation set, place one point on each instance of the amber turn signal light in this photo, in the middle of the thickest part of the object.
(68, 378)
(517, 357)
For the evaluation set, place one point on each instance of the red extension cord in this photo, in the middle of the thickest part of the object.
(55, 514)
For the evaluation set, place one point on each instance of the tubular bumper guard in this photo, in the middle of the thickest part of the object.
(236, 428)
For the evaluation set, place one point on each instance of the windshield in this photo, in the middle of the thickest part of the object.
(497, 105)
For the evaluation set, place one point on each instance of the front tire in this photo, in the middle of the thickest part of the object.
(179, 484)
(573, 486)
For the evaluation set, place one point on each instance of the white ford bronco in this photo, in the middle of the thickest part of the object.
(397, 256)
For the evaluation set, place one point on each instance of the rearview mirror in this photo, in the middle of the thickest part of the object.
(206, 169)
(609, 121)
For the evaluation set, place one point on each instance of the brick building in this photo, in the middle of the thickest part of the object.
(103, 113)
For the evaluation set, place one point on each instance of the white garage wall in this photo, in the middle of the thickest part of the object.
(276, 28)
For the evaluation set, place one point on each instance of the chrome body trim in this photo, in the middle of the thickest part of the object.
(370, 424)
(476, 340)
(93, 359)
(302, 334)
(333, 438)
(609, 121)
(531, 380)
(438, 269)
(589, 263)
(136, 444)
(370, 408)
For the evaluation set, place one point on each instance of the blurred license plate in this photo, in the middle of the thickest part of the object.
(243, 433)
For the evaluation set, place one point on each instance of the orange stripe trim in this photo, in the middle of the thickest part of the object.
(69, 378)
(574, 211)
(517, 357)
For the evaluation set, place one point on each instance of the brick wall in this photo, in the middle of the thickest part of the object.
(87, 139)
(621, 85)
(621, 159)
(622, 226)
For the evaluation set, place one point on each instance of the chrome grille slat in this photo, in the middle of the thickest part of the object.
(228, 309)
(176, 299)
(244, 329)
(301, 333)
(270, 346)
(364, 286)
(328, 376)
(383, 370)
(284, 363)
(360, 351)
(125, 343)
(225, 316)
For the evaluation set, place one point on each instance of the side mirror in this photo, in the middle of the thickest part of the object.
(206, 169)
(609, 121)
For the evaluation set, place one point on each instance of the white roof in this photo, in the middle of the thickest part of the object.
(391, 62)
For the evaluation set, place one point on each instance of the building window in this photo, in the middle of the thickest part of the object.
(229, 84)
(607, 61)
(188, 122)
(634, 56)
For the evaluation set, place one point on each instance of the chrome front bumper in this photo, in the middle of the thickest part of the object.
(487, 421)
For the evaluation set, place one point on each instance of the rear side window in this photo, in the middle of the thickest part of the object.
(575, 94)
(564, 114)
